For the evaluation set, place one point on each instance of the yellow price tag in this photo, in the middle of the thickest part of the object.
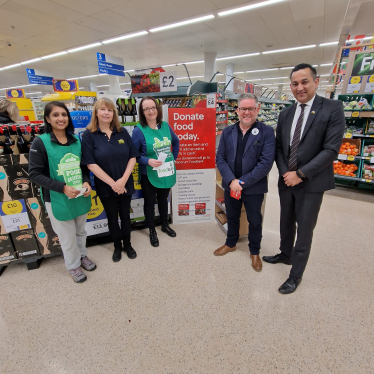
(355, 80)
(368, 180)
(371, 136)
(351, 158)
(12, 207)
(23, 227)
(355, 114)
(348, 135)
(371, 79)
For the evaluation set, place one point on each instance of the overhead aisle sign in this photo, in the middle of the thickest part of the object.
(110, 65)
(36, 77)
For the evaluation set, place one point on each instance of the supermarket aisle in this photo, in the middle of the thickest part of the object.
(179, 309)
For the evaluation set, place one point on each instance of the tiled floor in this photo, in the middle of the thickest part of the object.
(179, 309)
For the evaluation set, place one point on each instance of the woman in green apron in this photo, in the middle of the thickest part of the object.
(55, 165)
(158, 146)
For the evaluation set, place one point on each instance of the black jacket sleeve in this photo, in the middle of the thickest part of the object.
(39, 167)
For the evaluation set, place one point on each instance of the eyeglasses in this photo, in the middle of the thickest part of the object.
(243, 110)
(153, 108)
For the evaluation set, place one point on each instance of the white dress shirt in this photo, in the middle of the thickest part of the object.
(297, 115)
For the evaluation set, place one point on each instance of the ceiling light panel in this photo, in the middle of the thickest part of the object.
(327, 44)
(54, 55)
(290, 49)
(84, 47)
(258, 71)
(238, 56)
(123, 37)
(249, 7)
(178, 24)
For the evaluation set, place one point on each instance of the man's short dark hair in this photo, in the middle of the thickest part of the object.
(305, 66)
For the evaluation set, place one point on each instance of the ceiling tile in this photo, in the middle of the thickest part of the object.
(311, 30)
(98, 25)
(52, 8)
(305, 9)
(83, 6)
(117, 20)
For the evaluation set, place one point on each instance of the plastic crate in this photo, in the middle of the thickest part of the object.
(366, 183)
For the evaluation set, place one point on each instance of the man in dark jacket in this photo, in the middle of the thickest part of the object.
(309, 135)
(244, 158)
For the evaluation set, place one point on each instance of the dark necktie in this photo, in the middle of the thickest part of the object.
(292, 162)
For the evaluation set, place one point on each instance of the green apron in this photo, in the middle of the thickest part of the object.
(64, 166)
(160, 141)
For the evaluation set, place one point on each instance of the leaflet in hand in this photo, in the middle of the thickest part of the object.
(161, 157)
(82, 191)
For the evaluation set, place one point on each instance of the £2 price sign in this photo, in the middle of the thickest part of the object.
(168, 81)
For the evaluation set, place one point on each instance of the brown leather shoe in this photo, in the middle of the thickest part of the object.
(221, 251)
(256, 262)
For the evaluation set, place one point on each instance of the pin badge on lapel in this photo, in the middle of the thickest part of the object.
(255, 131)
(313, 112)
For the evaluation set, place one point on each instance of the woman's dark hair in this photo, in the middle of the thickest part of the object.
(47, 111)
(142, 118)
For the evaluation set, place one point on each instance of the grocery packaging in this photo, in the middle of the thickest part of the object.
(350, 149)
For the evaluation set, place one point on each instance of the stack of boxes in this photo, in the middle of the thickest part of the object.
(25, 229)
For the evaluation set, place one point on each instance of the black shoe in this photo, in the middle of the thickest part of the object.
(277, 259)
(166, 228)
(128, 249)
(117, 254)
(153, 238)
(289, 285)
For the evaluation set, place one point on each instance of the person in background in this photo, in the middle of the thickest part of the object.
(155, 139)
(109, 153)
(309, 136)
(245, 156)
(8, 112)
(51, 153)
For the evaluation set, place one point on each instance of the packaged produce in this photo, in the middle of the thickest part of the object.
(370, 126)
(358, 104)
(354, 130)
(368, 171)
(348, 149)
(346, 169)
(368, 151)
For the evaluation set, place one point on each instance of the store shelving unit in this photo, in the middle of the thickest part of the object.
(359, 125)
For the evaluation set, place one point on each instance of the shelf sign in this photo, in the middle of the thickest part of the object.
(342, 157)
(369, 88)
(354, 84)
(211, 100)
(110, 65)
(15, 93)
(239, 86)
(355, 114)
(168, 81)
(37, 77)
(364, 64)
(64, 85)
(350, 158)
(348, 135)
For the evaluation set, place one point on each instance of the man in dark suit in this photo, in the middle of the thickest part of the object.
(309, 135)
(244, 158)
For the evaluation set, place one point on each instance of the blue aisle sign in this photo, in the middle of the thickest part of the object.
(35, 78)
(110, 65)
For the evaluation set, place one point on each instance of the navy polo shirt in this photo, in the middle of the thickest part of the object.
(112, 155)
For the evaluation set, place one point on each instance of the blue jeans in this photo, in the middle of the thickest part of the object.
(252, 206)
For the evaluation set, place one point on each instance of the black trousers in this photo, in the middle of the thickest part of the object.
(149, 194)
(114, 205)
(252, 206)
(299, 214)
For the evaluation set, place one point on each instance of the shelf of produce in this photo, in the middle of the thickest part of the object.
(223, 112)
(221, 206)
(218, 123)
(349, 135)
(231, 117)
(358, 113)
(337, 176)
(352, 158)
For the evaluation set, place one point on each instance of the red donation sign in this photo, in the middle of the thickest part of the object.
(196, 130)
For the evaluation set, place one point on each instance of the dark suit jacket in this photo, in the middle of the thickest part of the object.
(319, 144)
(258, 157)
